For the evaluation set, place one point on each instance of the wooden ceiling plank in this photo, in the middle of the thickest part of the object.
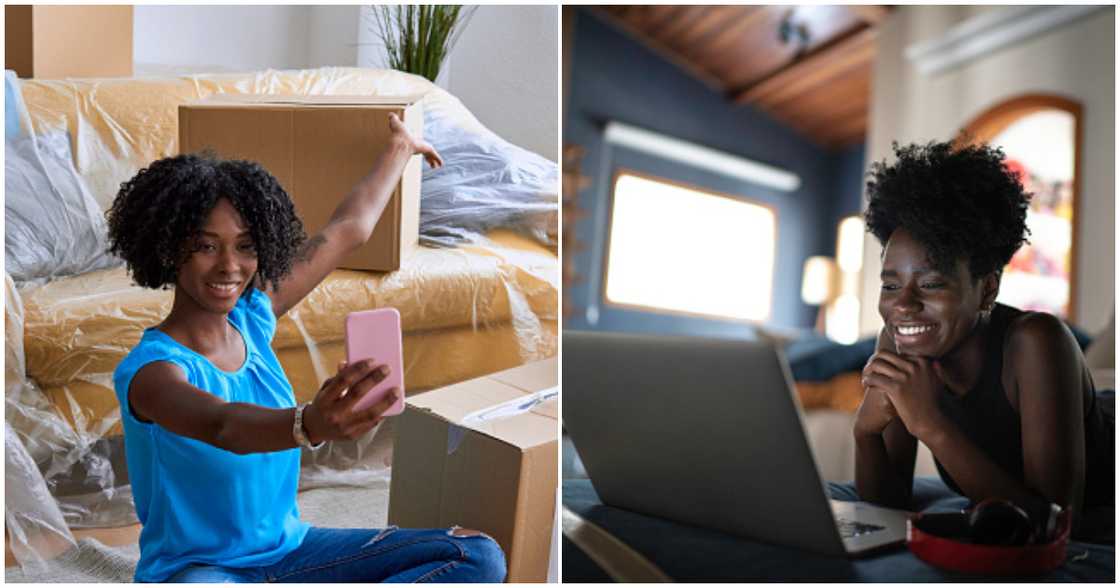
(872, 14)
(842, 59)
(856, 125)
(705, 25)
(833, 95)
(823, 81)
(856, 109)
(852, 50)
(663, 16)
(757, 55)
(687, 16)
(665, 51)
(751, 17)
(818, 115)
(825, 24)
(648, 15)
(807, 114)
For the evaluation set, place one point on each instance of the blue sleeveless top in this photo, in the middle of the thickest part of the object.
(198, 503)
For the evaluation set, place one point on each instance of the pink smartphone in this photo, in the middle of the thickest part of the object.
(377, 334)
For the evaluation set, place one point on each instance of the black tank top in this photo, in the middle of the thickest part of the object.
(986, 417)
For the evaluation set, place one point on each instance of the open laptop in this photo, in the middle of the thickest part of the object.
(707, 432)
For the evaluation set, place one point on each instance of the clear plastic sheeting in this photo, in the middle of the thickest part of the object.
(52, 225)
(35, 527)
(487, 305)
(84, 470)
(485, 183)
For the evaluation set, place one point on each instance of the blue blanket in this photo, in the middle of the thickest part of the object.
(691, 553)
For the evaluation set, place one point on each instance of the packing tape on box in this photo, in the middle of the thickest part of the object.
(505, 410)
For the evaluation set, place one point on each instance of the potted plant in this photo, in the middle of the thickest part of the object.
(418, 39)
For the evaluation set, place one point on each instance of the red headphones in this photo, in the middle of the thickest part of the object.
(994, 537)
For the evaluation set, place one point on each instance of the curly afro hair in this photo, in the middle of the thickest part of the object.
(159, 213)
(960, 202)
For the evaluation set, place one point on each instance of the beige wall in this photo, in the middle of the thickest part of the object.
(1075, 60)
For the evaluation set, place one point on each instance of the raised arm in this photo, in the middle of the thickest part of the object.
(885, 450)
(160, 393)
(353, 221)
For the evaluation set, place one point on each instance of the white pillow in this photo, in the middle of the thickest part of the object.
(53, 226)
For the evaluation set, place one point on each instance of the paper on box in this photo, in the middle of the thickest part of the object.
(318, 148)
(458, 461)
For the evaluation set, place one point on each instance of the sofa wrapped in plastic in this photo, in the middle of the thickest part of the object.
(484, 299)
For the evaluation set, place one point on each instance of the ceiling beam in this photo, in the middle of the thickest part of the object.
(853, 50)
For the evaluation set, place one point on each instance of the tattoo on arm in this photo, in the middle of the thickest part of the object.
(307, 251)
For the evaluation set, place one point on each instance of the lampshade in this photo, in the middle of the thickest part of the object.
(817, 280)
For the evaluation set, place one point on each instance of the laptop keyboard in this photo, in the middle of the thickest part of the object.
(849, 529)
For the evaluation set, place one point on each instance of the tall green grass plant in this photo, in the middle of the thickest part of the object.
(418, 39)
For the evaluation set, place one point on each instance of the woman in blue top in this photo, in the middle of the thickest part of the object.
(212, 430)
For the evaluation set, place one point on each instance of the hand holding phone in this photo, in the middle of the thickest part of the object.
(376, 334)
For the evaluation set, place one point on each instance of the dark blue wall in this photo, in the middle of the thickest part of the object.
(848, 186)
(613, 77)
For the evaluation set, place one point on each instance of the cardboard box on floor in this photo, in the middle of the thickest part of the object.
(318, 148)
(68, 41)
(482, 455)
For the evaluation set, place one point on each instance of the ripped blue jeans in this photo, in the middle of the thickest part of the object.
(372, 555)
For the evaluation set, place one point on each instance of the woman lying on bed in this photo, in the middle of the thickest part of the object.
(212, 432)
(1002, 397)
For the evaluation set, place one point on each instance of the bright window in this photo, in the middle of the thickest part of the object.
(1040, 148)
(681, 249)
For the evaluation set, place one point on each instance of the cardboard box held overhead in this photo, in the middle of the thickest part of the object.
(318, 148)
(482, 454)
(68, 41)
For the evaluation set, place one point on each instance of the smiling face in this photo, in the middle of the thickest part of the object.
(221, 263)
(929, 312)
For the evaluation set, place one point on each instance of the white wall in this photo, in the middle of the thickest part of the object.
(332, 35)
(504, 69)
(1076, 60)
(197, 39)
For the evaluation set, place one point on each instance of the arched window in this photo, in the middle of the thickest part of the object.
(1040, 135)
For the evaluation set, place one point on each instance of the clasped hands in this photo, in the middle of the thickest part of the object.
(903, 387)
